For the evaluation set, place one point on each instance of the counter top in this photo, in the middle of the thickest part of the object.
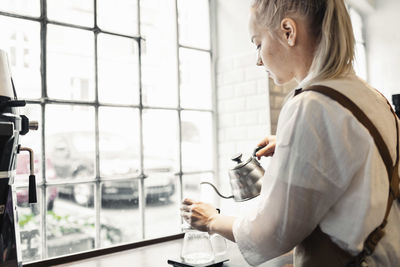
(158, 255)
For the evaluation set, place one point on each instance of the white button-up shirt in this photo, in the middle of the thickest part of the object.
(326, 171)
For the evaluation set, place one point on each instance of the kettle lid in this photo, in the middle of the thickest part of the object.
(238, 159)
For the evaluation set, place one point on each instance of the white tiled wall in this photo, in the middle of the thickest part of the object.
(243, 107)
(242, 92)
(243, 114)
(383, 47)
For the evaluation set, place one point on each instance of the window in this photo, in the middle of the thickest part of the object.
(360, 62)
(122, 92)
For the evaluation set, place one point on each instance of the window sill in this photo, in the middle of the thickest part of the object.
(100, 252)
(149, 253)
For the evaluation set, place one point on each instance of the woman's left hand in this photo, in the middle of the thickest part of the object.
(198, 214)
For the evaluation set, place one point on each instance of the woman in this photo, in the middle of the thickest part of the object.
(327, 186)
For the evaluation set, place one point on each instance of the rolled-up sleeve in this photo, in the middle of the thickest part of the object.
(313, 164)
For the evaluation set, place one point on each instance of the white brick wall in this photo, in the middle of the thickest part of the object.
(243, 109)
(383, 47)
(242, 94)
(277, 95)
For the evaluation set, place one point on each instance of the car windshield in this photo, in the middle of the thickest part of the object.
(110, 143)
(83, 143)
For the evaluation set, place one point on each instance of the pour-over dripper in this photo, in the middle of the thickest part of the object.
(196, 248)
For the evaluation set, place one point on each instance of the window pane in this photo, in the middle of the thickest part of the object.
(160, 134)
(194, 190)
(70, 63)
(33, 140)
(194, 25)
(120, 216)
(119, 142)
(21, 7)
(159, 53)
(161, 163)
(117, 16)
(21, 40)
(71, 11)
(196, 141)
(195, 69)
(29, 223)
(118, 70)
(70, 225)
(162, 211)
(70, 141)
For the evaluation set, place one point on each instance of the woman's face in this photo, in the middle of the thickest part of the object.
(272, 53)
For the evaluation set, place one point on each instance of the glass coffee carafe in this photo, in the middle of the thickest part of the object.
(200, 247)
(197, 248)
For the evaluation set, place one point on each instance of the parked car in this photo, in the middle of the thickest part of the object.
(22, 176)
(66, 234)
(73, 156)
(200, 160)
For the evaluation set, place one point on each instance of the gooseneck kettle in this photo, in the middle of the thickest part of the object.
(245, 178)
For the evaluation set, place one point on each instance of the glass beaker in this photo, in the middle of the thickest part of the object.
(197, 248)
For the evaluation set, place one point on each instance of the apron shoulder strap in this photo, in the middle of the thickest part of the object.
(393, 171)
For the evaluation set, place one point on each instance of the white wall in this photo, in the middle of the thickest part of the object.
(233, 36)
(362, 5)
(242, 89)
(383, 46)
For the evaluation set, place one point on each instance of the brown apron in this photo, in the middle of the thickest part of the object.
(317, 249)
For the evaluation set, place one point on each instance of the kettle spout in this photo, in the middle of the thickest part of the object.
(216, 190)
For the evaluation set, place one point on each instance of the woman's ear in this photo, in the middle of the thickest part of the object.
(289, 30)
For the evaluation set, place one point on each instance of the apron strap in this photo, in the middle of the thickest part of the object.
(393, 171)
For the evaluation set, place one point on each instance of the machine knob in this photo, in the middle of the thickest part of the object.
(27, 125)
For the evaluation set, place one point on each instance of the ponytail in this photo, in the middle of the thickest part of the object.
(329, 23)
(334, 55)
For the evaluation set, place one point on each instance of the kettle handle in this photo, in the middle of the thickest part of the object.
(257, 149)
(216, 190)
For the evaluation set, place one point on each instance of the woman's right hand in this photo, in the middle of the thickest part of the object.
(198, 214)
(268, 144)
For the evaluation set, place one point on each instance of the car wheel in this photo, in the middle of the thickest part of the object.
(83, 194)
(50, 205)
(35, 209)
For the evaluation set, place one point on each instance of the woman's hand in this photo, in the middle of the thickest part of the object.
(269, 144)
(198, 214)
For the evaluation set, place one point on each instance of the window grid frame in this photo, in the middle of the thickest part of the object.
(44, 101)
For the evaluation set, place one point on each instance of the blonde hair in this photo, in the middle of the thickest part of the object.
(329, 23)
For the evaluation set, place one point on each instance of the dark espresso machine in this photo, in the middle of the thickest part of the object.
(396, 103)
(12, 125)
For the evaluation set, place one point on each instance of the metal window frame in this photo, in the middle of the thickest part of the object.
(44, 100)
